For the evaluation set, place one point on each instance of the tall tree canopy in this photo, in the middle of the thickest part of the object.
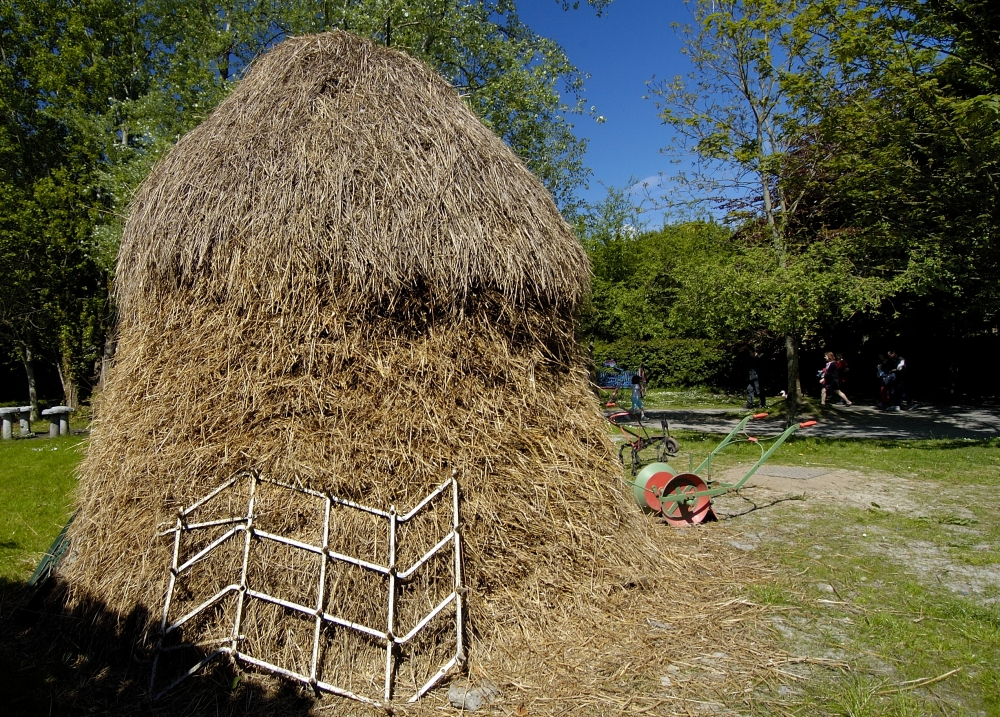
(906, 153)
(94, 91)
(739, 115)
(852, 145)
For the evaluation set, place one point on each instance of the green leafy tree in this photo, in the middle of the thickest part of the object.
(638, 277)
(739, 115)
(57, 73)
(906, 158)
(94, 91)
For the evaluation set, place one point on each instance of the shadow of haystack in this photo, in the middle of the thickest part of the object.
(344, 281)
(86, 660)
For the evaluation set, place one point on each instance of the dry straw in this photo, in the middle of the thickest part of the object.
(343, 278)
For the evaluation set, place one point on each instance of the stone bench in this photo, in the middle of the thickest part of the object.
(23, 413)
(58, 420)
(7, 416)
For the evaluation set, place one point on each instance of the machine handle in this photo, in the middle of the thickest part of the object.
(806, 424)
(760, 415)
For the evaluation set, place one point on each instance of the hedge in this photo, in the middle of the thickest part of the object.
(669, 362)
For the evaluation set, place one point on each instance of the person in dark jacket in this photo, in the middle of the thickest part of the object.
(884, 377)
(896, 370)
(753, 387)
(830, 380)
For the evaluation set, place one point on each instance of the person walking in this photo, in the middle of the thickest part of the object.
(884, 395)
(897, 381)
(637, 395)
(753, 387)
(830, 380)
(842, 369)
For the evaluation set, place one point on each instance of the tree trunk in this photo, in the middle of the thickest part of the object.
(794, 389)
(68, 386)
(29, 369)
(110, 344)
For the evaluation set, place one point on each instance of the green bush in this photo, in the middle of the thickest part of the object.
(668, 362)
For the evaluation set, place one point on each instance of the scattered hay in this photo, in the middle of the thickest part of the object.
(342, 278)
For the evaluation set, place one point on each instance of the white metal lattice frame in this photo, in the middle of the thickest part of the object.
(231, 646)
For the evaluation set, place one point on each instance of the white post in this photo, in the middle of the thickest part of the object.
(459, 586)
(390, 642)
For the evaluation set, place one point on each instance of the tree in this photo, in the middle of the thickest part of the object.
(94, 91)
(740, 116)
(56, 73)
(907, 147)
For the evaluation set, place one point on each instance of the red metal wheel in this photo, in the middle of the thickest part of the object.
(680, 513)
(654, 488)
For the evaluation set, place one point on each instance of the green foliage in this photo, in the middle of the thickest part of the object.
(905, 155)
(95, 91)
(668, 362)
(55, 73)
(744, 294)
(739, 116)
(639, 278)
(637, 273)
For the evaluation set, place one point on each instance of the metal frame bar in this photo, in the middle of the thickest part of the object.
(390, 637)
(394, 576)
(725, 442)
(721, 487)
(405, 575)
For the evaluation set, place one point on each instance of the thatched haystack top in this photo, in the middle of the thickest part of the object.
(342, 166)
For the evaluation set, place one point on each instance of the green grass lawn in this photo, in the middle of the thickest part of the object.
(36, 485)
(658, 398)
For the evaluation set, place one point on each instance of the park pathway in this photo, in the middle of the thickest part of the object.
(854, 422)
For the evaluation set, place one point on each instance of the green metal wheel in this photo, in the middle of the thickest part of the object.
(649, 484)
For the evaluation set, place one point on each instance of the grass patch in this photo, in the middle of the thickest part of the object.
(769, 595)
(690, 398)
(894, 616)
(905, 597)
(663, 398)
(36, 483)
(958, 462)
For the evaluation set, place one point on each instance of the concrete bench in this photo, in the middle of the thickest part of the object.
(7, 416)
(58, 420)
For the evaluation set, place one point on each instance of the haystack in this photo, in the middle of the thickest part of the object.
(343, 280)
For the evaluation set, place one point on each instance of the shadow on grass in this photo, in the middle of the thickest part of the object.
(754, 506)
(88, 660)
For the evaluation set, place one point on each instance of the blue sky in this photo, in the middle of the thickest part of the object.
(621, 50)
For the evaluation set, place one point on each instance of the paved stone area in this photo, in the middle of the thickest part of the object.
(793, 472)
